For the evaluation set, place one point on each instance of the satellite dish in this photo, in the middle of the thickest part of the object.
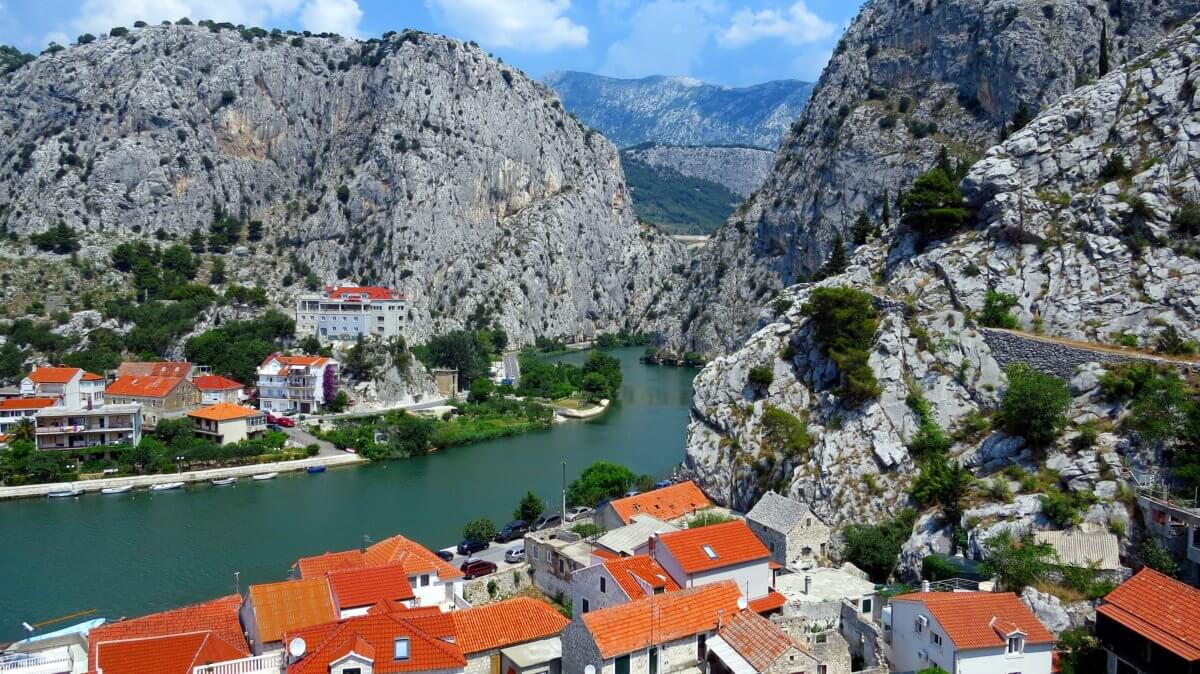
(590, 669)
(296, 647)
(742, 603)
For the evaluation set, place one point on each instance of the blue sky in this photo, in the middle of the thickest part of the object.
(733, 42)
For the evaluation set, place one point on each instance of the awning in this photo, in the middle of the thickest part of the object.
(534, 653)
(732, 659)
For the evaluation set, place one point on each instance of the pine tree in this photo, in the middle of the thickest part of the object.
(943, 161)
(862, 229)
(1103, 69)
(886, 216)
(837, 262)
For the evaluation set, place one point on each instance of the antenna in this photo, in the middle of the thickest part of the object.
(237, 582)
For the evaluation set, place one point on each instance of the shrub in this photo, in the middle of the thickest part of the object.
(1171, 341)
(1157, 557)
(1035, 404)
(480, 529)
(60, 239)
(1187, 218)
(786, 433)
(888, 121)
(933, 205)
(599, 481)
(942, 483)
(936, 568)
(995, 310)
(588, 529)
(1017, 564)
(930, 439)
(844, 323)
(874, 548)
(1065, 508)
(707, 517)
(1115, 167)
(760, 377)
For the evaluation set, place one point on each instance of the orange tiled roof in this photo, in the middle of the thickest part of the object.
(627, 571)
(756, 639)
(415, 557)
(1160, 609)
(635, 625)
(729, 542)
(215, 382)
(175, 654)
(664, 504)
(219, 615)
(506, 623)
(969, 618)
(770, 601)
(372, 292)
(370, 585)
(155, 368)
(52, 375)
(26, 403)
(328, 643)
(143, 387)
(290, 605)
(297, 361)
(224, 411)
(89, 376)
(319, 565)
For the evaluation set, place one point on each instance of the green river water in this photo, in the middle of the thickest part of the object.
(135, 553)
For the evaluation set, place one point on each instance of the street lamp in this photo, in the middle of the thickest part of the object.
(178, 461)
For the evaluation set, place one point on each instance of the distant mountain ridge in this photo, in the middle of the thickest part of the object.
(681, 110)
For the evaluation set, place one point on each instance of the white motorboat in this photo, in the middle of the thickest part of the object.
(65, 493)
(166, 486)
(124, 489)
(222, 481)
(265, 476)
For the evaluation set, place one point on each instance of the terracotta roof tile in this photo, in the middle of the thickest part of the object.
(415, 557)
(756, 639)
(175, 654)
(297, 361)
(771, 601)
(371, 585)
(224, 411)
(52, 375)
(143, 387)
(327, 643)
(219, 615)
(1160, 609)
(319, 565)
(215, 382)
(664, 504)
(627, 571)
(290, 605)
(505, 623)
(714, 546)
(970, 618)
(89, 376)
(372, 292)
(155, 368)
(26, 403)
(660, 618)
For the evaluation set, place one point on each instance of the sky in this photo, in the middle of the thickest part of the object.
(730, 42)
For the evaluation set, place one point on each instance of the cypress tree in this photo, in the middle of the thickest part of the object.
(886, 216)
(862, 229)
(837, 262)
(1103, 49)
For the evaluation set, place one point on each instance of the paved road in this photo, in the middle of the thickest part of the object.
(494, 553)
(304, 438)
(512, 367)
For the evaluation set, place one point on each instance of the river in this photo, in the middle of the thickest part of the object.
(136, 553)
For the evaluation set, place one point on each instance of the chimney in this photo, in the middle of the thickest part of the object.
(924, 586)
(807, 583)
(652, 546)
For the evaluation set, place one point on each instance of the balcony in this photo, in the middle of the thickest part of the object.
(56, 661)
(119, 426)
(272, 663)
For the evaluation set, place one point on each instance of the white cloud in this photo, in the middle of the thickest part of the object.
(530, 25)
(668, 38)
(796, 25)
(332, 16)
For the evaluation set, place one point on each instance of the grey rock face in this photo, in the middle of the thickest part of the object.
(965, 66)
(740, 169)
(416, 162)
(682, 110)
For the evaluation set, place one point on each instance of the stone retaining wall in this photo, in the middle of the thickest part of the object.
(510, 581)
(1058, 359)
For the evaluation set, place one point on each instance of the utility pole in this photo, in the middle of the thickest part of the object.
(564, 492)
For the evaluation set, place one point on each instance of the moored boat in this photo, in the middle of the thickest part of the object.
(65, 493)
(117, 490)
(166, 486)
(223, 481)
(265, 476)
(316, 469)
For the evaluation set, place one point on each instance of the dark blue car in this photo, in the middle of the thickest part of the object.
(471, 547)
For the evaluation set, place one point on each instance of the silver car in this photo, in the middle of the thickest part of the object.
(578, 512)
(514, 555)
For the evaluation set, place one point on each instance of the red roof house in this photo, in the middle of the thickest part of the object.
(218, 617)
(1152, 623)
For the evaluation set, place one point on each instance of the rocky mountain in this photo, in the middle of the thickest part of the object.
(414, 161)
(739, 169)
(681, 110)
(905, 81)
(1087, 250)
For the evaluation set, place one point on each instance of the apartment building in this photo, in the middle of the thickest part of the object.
(62, 427)
(348, 312)
(296, 384)
(69, 386)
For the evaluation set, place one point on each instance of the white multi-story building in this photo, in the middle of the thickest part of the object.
(88, 427)
(70, 386)
(291, 384)
(347, 312)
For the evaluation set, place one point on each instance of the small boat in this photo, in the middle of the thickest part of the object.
(223, 481)
(65, 493)
(117, 490)
(166, 486)
(316, 469)
(265, 476)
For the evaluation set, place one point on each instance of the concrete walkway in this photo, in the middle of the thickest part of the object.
(33, 490)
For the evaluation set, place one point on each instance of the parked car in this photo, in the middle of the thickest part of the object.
(274, 427)
(546, 521)
(471, 547)
(446, 555)
(515, 555)
(512, 531)
(632, 492)
(280, 421)
(474, 568)
(663, 483)
(578, 512)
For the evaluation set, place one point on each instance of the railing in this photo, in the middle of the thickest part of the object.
(1162, 493)
(37, 664)
(271, 662)
(954, 584)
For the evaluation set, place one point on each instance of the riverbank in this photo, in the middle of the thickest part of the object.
(576, 412)
(136, 481)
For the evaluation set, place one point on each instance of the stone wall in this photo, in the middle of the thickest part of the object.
(864, 638)
(509, 581)
(1056, 358)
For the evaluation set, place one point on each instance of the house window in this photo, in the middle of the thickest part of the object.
(935, 638)
(708, 551)
(603, 584)
(352, 670)
(425, 580)
(866, 606)
(822, 669)
(701, 646)
(400, 648)
(622, 664)
(808, 521)
(1015, 645)
(586, 605)
(653, 657)
(920, 626)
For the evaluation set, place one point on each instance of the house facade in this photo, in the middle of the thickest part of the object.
(716, 553)
(796, 537)
(968, 633)
(350, 312)
(296, 384)
(554, 555)
(227, 423)
(1151, 623)
(617, 581)
(15, 410)
(217, 389)
(434, 582)
(58, 428)
(160, 397)
(70, 386)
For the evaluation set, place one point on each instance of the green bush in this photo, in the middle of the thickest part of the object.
(760, 377)
(844, 323)
(1065, 509)
(481, 529)
(588, 529)
(530, 508)
(599, 481)
(1115, 167)
(1035, 404)
(785, 432)
(1017, 564)
(995, 310)
(930, 439)
(942, 483)
(874, 548)
(1187, 218)
(1157, 557)
(59, 239)
(936, 568)
(933, 205)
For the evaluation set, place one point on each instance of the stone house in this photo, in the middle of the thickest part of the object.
(1091, 549)
(160, 397)
(748, 642)
(796, 537)
(555, 554)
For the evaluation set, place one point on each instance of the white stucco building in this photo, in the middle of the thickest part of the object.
(348, 312)
(296, 384)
